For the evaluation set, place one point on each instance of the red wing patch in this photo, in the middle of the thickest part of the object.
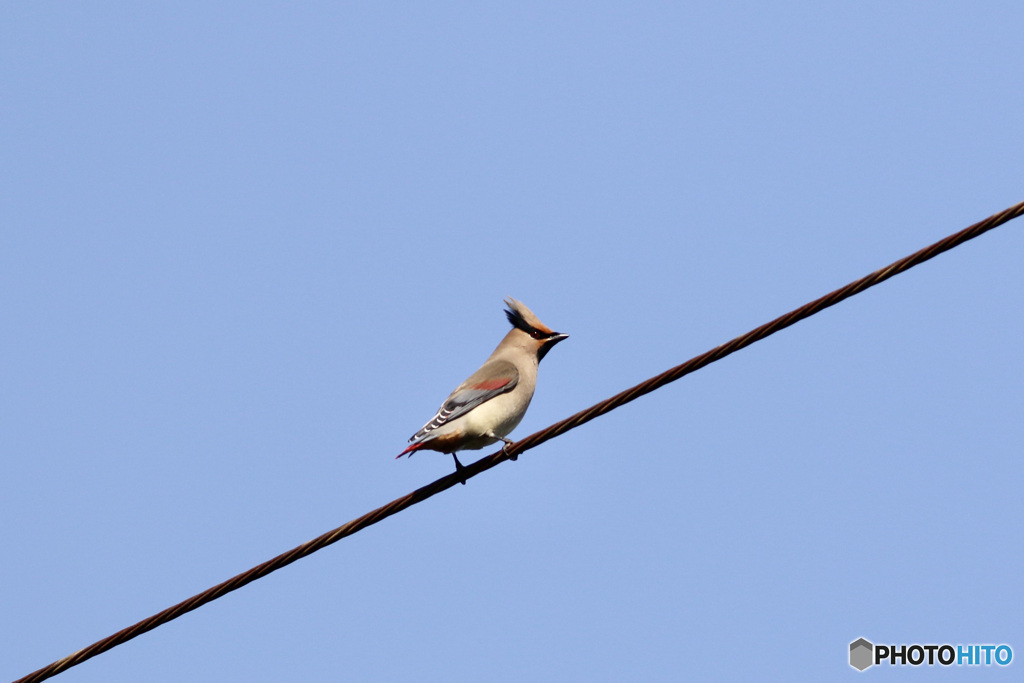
(492, 384)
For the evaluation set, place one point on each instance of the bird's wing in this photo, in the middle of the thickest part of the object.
(492, 379)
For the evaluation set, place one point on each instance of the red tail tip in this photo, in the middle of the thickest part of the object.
(410, 449)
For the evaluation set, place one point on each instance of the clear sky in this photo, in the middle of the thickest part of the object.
(248, 248)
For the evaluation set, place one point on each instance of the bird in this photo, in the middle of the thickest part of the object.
(492, 401)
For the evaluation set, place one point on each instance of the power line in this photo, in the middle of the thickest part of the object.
(525, 444)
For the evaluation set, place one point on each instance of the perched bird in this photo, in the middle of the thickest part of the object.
(491, 403)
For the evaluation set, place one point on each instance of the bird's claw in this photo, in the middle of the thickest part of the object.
(504, 448)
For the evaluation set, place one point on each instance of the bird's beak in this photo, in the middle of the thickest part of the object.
(548, 343)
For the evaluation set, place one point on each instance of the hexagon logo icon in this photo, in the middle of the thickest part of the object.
(862, 654)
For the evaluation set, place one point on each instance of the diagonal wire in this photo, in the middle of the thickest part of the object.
(525, 444)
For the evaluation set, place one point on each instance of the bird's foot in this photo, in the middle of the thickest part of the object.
(509, 442)
(460, 469)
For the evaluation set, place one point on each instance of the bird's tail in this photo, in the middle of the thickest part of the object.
(419, 440)
(410, 449)
(414, 446)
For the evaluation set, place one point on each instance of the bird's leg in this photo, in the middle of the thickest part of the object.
(504, 448)
(508, 442)
(459, 468)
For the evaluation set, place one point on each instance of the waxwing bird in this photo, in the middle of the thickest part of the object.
(491, 403)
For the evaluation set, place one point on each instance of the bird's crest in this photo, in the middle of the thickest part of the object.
(522, 317)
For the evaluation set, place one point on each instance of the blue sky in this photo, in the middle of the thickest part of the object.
(248, 248)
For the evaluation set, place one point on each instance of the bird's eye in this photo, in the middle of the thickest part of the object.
(537, 334)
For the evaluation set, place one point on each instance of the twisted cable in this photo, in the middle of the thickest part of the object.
(531, 441)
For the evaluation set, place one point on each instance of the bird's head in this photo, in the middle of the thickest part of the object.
(540, 337)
